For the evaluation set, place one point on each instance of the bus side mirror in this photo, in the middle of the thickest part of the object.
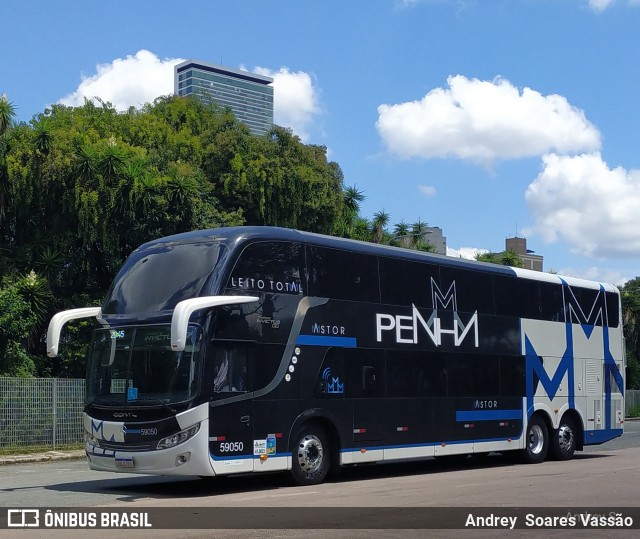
(60, 319)
(185, 308)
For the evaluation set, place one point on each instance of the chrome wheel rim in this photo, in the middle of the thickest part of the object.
(565, 437)
(536, 439)
(310, 453)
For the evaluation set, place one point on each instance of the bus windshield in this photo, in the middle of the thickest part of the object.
(158, 277)
(135, 366)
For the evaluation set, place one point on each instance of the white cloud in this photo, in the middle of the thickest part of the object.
(583, 202)
(139, 79)
(295, 99)
(466, 252)
(126, 82)
(600, 5)
(401, 4)
(483, 121)
(427, 190)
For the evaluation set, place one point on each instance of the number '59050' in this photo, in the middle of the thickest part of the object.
(230, 447)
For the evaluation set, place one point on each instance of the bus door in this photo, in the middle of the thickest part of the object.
(365, 384)
(230, 408)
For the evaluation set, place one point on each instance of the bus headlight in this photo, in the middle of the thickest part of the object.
(178, 438)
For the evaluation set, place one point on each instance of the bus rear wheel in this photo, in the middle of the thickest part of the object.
(537, 441)
(311, 456)
(564, 439)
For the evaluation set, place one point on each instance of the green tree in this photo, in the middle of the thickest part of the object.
(17, 322)
(352, 197)
(507, 258)
(81, 187)
(630, 294)
(380, 221)
(7, 114)
(401, 234)
(347, 224)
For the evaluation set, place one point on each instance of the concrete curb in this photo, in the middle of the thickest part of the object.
(42, 457)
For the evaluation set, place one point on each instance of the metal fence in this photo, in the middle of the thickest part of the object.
(40, 412)
(47, 412)
(632, 400)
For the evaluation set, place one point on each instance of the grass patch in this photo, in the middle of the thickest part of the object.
(634, 411)
(27, 449)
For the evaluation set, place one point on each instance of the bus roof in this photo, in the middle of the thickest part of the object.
(239, 235)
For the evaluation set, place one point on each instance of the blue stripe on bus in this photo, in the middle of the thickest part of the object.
(244, 457)
(487, 415)
(595, 437)
(320, 340)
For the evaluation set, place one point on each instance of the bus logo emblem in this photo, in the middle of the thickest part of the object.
(333, 382)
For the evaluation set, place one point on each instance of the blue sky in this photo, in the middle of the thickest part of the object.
(485, 117)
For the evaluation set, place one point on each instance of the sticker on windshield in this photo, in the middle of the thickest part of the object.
(132, 394)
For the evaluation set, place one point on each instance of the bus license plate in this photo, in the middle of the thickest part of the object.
(124, 463)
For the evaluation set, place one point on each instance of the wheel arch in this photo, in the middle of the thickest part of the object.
(321, 418)
(573, 414)
(544, 415)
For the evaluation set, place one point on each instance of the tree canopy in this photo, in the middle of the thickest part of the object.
(82, 187)
(507, 258)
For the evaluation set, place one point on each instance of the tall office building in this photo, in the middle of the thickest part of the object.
(248, 95)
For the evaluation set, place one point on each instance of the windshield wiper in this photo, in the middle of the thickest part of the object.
(158, 401)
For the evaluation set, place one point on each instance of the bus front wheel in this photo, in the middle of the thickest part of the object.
(537, 441)
(311, 456)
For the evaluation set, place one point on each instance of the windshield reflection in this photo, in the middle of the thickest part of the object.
(135, 366)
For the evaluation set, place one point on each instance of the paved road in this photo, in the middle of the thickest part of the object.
(603, 476)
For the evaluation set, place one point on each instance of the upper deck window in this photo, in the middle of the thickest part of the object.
(343, 274)
(157, 278)
(270, 267)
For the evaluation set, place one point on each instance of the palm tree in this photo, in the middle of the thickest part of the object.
(7, 114)
(379, 223)
(419, 230)
(352, 198)
(50, 261)
(419, 242)
(35, 291)
(112, 163)
(401, 234)
(42, 142)
(85, 167)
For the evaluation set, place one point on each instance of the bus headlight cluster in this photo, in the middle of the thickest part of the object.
(178, 438)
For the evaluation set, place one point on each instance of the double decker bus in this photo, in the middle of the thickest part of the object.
(260, 349)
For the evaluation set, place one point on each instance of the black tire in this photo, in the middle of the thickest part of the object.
(537, 441)
(311, 455)
(564, 439)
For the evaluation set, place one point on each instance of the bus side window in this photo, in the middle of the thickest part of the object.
(230, 370)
